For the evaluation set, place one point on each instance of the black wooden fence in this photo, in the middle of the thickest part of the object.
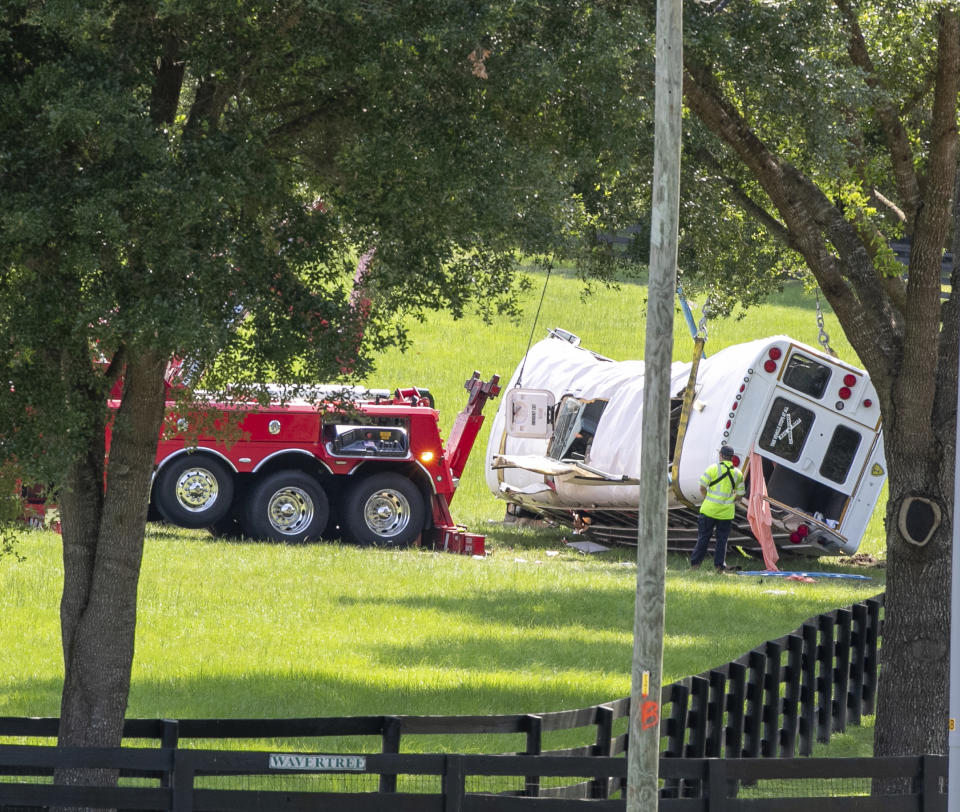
(773, 702)
(780, 698)
(219, 781)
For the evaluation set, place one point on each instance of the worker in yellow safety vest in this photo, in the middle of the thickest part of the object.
(720, 486)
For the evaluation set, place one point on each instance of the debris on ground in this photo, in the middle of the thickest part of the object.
(586, 546)
(862, 560)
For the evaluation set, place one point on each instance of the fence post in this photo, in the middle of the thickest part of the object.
(697, 725)
(934, 771)
(454, 784)
(791, 695)
(825, 678)
(390, 738)
(841, 673)
(715, 708)
(169, 739)
(184, 772)
(808, 684)
(757, 664)
(600, 787)
(871, 655)
(676, 728)
(858, 641)
(771, 700)
(716, 785)
(534, 748)
(676, 722)
(736, 675)
(697, 718)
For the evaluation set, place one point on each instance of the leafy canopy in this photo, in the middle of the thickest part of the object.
(200, 178)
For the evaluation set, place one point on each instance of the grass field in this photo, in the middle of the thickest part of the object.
(249, 629)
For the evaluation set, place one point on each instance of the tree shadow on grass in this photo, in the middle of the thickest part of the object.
(270, 696)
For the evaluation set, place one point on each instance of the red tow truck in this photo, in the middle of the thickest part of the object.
(372, 470)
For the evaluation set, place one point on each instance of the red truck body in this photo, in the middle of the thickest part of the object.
(371, 469)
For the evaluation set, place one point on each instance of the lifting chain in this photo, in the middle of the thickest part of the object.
(823, 338)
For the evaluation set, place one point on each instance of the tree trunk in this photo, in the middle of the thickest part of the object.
(908, 344)
(103, 531)
(914, 659)
(913, 686)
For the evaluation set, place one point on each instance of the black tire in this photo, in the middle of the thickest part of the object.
(384, 509)
(288, 506)
(194, 490)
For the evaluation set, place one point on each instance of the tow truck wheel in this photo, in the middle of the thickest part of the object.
(286, 506)
(194, 490)
(384, 509)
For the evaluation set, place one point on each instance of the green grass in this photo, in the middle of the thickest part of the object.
(261, 630)
(258, 630)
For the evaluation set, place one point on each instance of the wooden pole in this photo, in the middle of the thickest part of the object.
(644, 741)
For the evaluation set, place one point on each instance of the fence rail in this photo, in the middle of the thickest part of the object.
(205, 781)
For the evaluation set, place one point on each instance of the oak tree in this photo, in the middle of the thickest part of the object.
(196, 180)
(832, 125)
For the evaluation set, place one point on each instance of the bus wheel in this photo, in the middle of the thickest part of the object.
(384, 509)
(194, 490)
(286, 506)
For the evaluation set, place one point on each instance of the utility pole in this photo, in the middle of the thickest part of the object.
(647, 677)
(953, 730)
(953, 698)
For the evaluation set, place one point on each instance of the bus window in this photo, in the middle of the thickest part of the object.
(840, 454)
(806, 375)
(575, 424)
(786, 429)
(802, 493)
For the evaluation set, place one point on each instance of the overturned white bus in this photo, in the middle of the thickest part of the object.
(565, 442)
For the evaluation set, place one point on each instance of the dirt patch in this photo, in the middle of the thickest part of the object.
(863, 560)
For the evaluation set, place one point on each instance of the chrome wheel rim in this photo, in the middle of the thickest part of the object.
(290, 511)
(197, 489)
(387, 513)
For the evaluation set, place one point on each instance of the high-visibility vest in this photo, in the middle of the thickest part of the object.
(724, 483)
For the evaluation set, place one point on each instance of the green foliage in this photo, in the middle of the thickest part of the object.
(788, 69)
(172, 172)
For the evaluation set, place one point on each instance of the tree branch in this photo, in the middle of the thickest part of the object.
(931, 227)
(896, 137)
(115, 368)
(890, 205)
(776, 228)
(167, 82)
(853, 288)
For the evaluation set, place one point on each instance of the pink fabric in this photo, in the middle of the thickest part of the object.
(758, 513)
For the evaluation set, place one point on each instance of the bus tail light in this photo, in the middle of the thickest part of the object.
(773, 355)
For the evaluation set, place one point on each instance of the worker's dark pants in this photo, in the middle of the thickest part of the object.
(705, 527)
